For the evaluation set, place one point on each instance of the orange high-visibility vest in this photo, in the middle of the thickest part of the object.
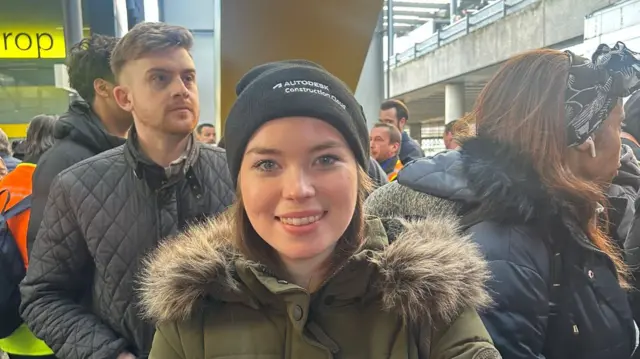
(18, 184)
(392, 176)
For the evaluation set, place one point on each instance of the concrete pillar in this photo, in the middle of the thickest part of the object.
(453, 102)
(370, 90)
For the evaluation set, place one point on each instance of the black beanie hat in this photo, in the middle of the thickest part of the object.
(293, 88)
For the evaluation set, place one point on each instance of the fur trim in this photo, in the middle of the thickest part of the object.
(179, 272)
(430, 272)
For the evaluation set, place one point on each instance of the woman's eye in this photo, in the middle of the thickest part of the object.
(266, 166)
(327, 160)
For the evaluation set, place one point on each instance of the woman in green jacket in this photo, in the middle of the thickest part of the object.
(294, 269)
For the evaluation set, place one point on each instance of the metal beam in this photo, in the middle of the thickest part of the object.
(420, 14)
(440, 6)
(408, 21)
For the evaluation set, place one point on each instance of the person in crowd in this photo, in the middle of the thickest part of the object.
(6, 152)
(19, 149)
(631, 130)
(530, 188)
(376, 173)
(455, 130)
(3, 169)
(206, 133)
(384, 142)
(90, 126)
(396, 113)
(294, 270)
(448, 136)
(104, 214)
(16, 187)
(621, 196)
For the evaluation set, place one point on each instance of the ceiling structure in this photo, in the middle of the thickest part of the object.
(410, 14)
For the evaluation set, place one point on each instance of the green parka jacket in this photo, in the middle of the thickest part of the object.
(416, 298)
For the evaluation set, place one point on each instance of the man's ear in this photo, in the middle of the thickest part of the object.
(402, 122)
(121, 95)
(101, 88)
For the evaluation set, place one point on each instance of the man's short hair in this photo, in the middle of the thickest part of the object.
(202, 126)
(401, 109)
(88, 60)
(147, 38)
(394, 134)
(449, 127)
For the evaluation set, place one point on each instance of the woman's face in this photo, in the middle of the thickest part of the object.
(298, 182)
(604, 167)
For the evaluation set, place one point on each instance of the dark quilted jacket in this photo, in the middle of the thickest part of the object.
(103, 215)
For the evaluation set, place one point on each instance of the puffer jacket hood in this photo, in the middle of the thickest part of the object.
(429, 272)
(81, 125)
(486, 172)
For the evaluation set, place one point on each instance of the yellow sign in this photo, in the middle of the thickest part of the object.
(15, 130)
(44, 43)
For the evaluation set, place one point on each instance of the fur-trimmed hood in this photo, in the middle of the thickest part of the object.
(429, 272)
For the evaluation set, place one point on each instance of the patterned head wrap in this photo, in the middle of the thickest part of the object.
(595, 86)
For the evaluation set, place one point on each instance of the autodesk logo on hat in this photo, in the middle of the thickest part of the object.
(306, 86)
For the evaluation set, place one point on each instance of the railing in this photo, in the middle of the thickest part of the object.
(456, 30)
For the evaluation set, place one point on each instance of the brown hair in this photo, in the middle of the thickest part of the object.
(147, 38)
(256, 249)
(401, 109)
(523, 106)
(394, 133)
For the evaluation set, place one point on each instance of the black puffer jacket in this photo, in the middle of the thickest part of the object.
(103, 215)
(79, 135)
(622, 195)
(515, 230)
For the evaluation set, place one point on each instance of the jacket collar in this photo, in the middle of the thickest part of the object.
(80, 124)
(429, 272)
(155, 175)
(487, 172)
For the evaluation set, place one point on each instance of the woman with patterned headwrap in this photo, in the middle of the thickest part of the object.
(530, 188)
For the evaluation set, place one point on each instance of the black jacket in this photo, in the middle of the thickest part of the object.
(622, 195)
(409, 149)
(520, 227)
(79, 135)
(103, 215)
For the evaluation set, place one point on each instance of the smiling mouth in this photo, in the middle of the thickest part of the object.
(300, 221)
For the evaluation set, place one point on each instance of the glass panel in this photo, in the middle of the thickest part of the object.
(31, 43)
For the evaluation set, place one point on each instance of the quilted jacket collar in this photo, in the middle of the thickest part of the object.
(430, 272)
(155, 175)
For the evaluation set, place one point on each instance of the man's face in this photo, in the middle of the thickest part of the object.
(390, 116)
(208, 135)
(160, 91)
(381, 147)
